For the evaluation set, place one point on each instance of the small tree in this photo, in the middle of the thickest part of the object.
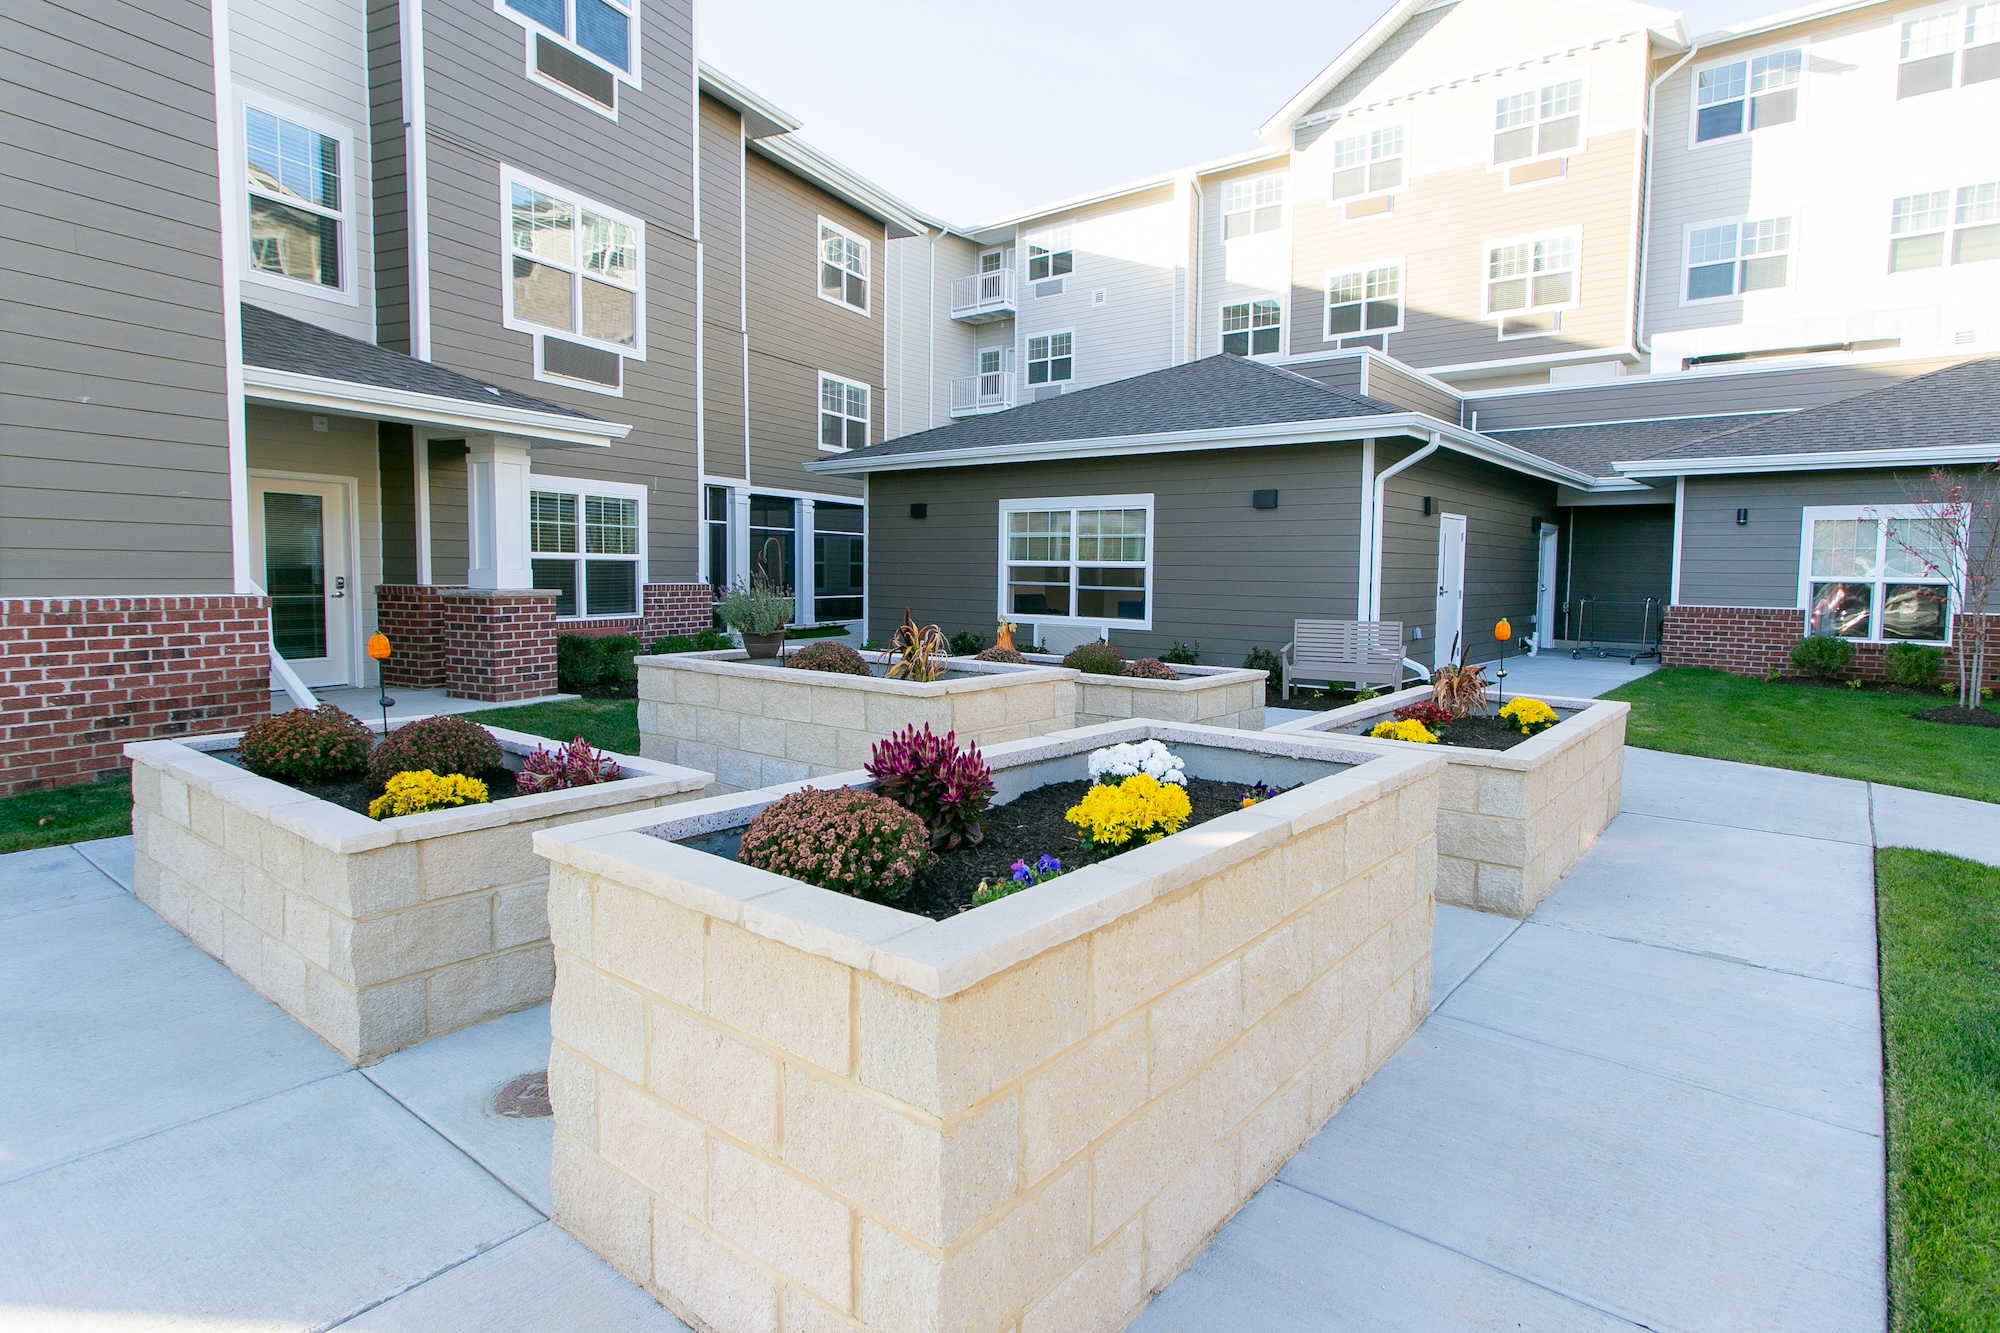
(1957, 539)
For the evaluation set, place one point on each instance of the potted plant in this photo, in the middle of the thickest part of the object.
(759, 611)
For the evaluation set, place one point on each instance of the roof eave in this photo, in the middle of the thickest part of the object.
(285, 388)
(1277, 131)
(803, 159)
(1816, 461)
(761, 118)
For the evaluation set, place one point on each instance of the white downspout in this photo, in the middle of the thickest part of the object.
(416, 167)
(1361, 559)
(1375, 522)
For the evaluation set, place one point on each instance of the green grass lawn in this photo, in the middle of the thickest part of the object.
(67, 814)
(609, 724)
(1940, 941)
(1842, 733)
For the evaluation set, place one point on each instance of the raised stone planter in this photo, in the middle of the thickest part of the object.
(1213, 696)
(375, 934)
(781, 1108)
(757, 725)
(1511, 823)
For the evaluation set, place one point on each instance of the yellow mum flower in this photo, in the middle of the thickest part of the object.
(1530, 715)
(414, 793)
(1408, 729)
(1139, 807)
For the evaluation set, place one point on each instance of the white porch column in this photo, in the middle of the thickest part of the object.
(803, 594)
(497, 496)
(739, 535)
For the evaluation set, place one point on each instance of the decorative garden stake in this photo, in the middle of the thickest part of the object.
(1503, 632)
(378, 648)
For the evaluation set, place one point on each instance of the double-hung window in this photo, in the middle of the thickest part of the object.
(582, 48)
(1051, 358)
(1529, 282)
(1087, 559)
(843, 413)
(1368, 163)
(1878, 573)
(1937, 227)
(1251, 328)
(843, 267)
(1050, 254)
(1250, 207)
(1539, 122)
(1732, 258)
(298, 200)
(1943, 48)
(586, 543)
(1746, 95)
(1364, 300)
(575, 268)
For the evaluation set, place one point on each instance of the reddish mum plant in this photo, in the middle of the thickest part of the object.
(826, 655)
(1428, 712)
(998, 654)
(948, 788)
(572, 765)
(852, 842)
(306, 745)
(436, 744)
(1150, 668)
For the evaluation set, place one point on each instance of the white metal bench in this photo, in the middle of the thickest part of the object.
(1365, 652)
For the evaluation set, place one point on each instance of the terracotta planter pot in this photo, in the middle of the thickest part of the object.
(761, 646)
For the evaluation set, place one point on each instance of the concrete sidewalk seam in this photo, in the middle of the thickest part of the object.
(456, 1146)
(1703, 953)
(1752, 828)
(406, 1289)
(1484, 959)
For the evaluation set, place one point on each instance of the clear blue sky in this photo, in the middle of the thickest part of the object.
(972, 111)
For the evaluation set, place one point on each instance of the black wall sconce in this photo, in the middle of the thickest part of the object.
(920, 511)
(1430, 505)
(1742, 518)
(1263, 499)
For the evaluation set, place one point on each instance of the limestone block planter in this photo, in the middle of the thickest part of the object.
(1214, 696)
(781, 1108)
(1511, 823)
(756, 725)
(375, 934)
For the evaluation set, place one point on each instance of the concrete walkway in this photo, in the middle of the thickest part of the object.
(364, 701)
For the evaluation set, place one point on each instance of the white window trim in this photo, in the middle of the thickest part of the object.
(1062, 231)
(1027, 341)
(867, 264)
(1333, 134)
(1575, 234)
(1949, 230)
(349, 291)
(1223, 305)
(1956, 51)
(1878, 513)
(1535, 86)
(1224, 212)
(581, 487)
(1073, 503)
(1745, 57)
(509, 177)
(1402, 298)
(819, 409)
(632, 78)
(1791, 253)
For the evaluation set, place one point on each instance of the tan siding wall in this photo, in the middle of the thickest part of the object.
(285, 442)
(389, 158)
(450, 548)
(722, 149)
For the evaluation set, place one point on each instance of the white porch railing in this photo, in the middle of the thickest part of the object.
(977, 394)
(979, 297)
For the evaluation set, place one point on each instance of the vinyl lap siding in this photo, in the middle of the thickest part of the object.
(395, 464)
(1250, 268)
(284, 441)
(113, 447)
(1126, 249)
(723, 386)
(389, 158)
(1614, 553)
(927, 347)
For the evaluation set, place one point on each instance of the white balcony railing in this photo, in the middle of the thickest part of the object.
(979, 297)
(976, 394)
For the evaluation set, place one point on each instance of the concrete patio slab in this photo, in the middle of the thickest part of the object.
(363, 702)
(1797, 905)
(541, 1279)
(1556, 672)
(111, 855)
(1291, 1260)
(1776, 800)
(449, 1085)
(1933, 823)
(1796, 1043)
(1669, 1205)
(1462, 939)
(294, 1212)
(114, 1026)
(47, 879)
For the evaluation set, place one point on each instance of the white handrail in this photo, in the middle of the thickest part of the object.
(288, 679)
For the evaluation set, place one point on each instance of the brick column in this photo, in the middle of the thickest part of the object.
(80, 676)
(499, 644)
(412, 616)
(675, 608)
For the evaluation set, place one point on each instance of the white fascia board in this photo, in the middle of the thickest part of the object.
(1528, 362)
(1334, 430)
(284, 388)
(1277, 131)
(1013, 220)
(802, 159)
(1297, 359)
(1786, 19)
(1813, 462)
(761, 118)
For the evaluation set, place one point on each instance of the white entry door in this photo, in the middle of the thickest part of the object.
(1451, 589)
(1545, 591)
(298, 543)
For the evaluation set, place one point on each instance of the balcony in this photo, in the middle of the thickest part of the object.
(976, 395)
(981, 298)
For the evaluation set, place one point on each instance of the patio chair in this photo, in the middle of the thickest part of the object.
(1365, 652)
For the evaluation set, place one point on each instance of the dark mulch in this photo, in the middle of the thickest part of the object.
(1960, 717)
(1031, 826)
(1483, 733)
(355, 793)
(1318, 701)
(617, 689)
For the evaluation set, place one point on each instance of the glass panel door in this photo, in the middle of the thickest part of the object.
(774, 542)
(298, 539)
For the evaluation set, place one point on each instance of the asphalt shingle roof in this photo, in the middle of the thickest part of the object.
(1592, 449)
(279, 342)
(1957, 405)
(1214, 393)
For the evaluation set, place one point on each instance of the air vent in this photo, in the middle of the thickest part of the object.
(573, 362)
(1963, 338)
(1529, 326)
(1100, 297)
(1053, 287)
(562, 65)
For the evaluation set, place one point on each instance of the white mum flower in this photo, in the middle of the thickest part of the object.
(1118, 762)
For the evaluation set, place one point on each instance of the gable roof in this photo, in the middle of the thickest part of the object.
(1949, 415)
(1597, 447)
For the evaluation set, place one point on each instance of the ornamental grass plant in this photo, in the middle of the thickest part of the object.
(852, 842)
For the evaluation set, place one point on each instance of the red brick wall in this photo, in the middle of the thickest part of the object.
(1757, 640)
(80, 676)
(499, 645)
(677, 608)
(412, 616)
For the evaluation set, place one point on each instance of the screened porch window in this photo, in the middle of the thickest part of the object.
(1087, 560)
(1879, 576)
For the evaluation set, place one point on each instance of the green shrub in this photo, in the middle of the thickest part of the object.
(1822, 656)
(708, 641)
(851, 842)
(1263, 659)
(1150, 668)
(826, 655)
(1914, 665)
(438, 745)
(1183, 654)
(586, 662)
(756, 607)
(965, 643)
(1096, 658)
(307, 746)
